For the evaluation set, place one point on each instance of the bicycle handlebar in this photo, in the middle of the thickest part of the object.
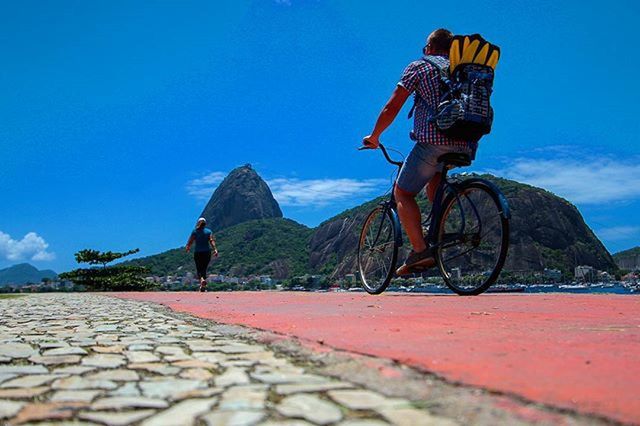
(386, 155)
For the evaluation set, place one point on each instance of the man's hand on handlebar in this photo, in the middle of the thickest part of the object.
(371, 142)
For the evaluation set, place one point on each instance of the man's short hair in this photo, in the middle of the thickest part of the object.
(440, 40)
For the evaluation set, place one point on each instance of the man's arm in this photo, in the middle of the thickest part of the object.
(213, 245)
(387, 115)
(188, 247)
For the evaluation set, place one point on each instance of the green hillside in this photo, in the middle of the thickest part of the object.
(278, 247)
(630, 252)
(24, 273)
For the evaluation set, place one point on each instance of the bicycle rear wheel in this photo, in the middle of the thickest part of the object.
(472, 239)
(377, 250)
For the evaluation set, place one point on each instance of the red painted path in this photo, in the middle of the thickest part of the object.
(575, 351)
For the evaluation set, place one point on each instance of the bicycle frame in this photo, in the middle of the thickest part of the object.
(435, 214)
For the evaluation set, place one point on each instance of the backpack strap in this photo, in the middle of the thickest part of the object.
(443, 76)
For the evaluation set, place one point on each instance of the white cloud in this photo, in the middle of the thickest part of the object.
(586, 180)
(298, 192)
(618, 233)
(30, 247)
(203, 187)
(321, 192)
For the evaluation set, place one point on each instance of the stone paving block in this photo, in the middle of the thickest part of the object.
(194, 363)
(196, 374)
(164, 388)
(238, 363)
(309, 407)
(284, 368)
(278, 378)
(75, 395)
(73, 370)
(30, 381)
(196, 393)
(138, 347)
(23, 369)
(7, 376)
(122, 418)
(55, 359)
(137, 357)
(17, 350)
(233, 376)
(413, 417)
(83, 342)
(10, 408)
(182, 413)
(17, 393)
(53, 344)
(288, 389)
(113, 349)
(104, 360)
(213, 357)
(234, 418)
(68, 350)
(239, 348)
(359, 399)
(47, 411)
(106, 327)
(120, 375)
(128, 389)
(247, 397)
(156, 367)
(124, 402)
(79, 383)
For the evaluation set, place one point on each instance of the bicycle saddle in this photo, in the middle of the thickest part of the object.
(455, 159)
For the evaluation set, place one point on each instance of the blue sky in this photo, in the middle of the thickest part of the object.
(117, 118)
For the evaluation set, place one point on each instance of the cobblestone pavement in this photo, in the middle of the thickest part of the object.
(91, 359)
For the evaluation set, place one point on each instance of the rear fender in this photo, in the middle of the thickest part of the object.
(396, 225)
(504, 204)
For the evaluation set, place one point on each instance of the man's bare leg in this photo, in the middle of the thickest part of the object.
(410, 218)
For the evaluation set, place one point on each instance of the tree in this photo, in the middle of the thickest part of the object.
(107, 278)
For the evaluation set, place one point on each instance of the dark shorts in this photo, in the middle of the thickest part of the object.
(422, 164)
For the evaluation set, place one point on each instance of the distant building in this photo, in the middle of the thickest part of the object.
(456, 273)
(265, 279)
(584, 273)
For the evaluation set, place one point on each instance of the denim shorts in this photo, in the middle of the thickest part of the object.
(422, 164)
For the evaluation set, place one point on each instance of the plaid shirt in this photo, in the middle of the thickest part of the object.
(424, 79)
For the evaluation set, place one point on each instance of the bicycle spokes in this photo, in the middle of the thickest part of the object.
(471, 240)
(377, 251)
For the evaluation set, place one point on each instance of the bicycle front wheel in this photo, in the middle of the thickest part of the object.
(377, 250)
(472, 239)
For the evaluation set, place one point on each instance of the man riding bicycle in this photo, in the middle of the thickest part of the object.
(421, 168)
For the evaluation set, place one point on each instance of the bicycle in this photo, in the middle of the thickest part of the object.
(467, 232)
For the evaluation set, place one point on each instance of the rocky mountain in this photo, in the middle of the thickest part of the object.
(242, 196)
(628, 259)
(546, 232)
(24, 273)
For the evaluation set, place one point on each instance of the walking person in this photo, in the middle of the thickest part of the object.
(203, 237)
(421, 167)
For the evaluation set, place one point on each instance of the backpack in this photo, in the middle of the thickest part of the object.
(464, 110)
